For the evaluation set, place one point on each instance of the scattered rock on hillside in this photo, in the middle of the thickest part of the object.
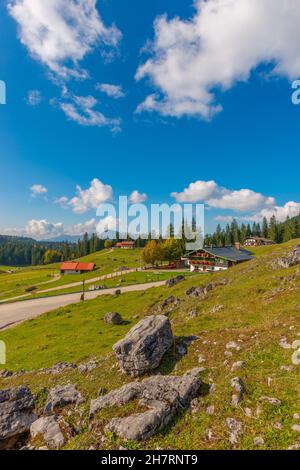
(58, 368)
(164, 396)
(16, 415)
(284, 344)
(236, 430)
(237, 365)
(4, 374)
(202, 291)
(238, 385)
(196, 292)
(60, 396)
(232, 345)
(113, 318)
(49, 429)
(292, 259)
(271, 400)
(193, 313)
(217, 308)
(258, 441)
(169, 301)
(174, 281)
(296, 427)
(87, 366)
(144, 346)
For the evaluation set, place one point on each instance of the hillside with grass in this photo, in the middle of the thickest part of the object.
(16, 281)
(244, 327)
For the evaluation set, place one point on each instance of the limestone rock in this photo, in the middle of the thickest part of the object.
(238, 365)
(258, 441)
(163, 396)
(238, 385)
(49, 429)
(174, 281)
(271, 400)
(292, 259)
(113, 318)
(87, 366)
(235, 428)
(4, 374)
(145, 345)
(62, 396)
(16, 415)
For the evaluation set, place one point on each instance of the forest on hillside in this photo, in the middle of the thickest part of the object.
(279, 232)
(18, 251)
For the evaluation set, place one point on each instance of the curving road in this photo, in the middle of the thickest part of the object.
(14, 313)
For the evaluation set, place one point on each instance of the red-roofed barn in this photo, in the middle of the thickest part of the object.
(74, 267)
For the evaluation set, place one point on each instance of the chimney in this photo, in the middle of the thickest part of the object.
(237, 246)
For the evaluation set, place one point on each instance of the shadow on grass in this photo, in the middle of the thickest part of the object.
(175, 354)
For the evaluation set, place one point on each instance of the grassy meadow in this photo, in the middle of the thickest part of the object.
(259, 305)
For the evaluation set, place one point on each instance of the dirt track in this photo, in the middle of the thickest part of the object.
(14, 313)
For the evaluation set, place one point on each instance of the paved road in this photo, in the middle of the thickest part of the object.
(11, 314)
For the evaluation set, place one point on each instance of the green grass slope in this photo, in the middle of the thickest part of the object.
(15, 281)
(259, 305)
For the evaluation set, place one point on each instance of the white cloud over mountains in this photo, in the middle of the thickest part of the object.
(59, 33)
(222, 44)
(40, 229)
(87, 199)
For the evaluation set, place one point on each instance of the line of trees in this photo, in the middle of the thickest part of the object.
(279, 232)
(18, 251)
(155, 252)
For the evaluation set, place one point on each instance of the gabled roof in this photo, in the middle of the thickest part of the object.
(86, 266)
(125, 243)
(69, 266)
(230, 253)
(75, 266)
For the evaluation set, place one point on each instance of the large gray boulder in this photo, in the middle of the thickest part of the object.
(144, 346)
(16, 415)
(163, 396)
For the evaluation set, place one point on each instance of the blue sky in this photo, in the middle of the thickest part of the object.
(218, 118)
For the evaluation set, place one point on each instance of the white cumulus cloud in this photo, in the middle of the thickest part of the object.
(87, 199)
(43, 229)
(137, 198)
(79, 229)
(222, 198)
(220, 45)
(59, 33)
(290, 209)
